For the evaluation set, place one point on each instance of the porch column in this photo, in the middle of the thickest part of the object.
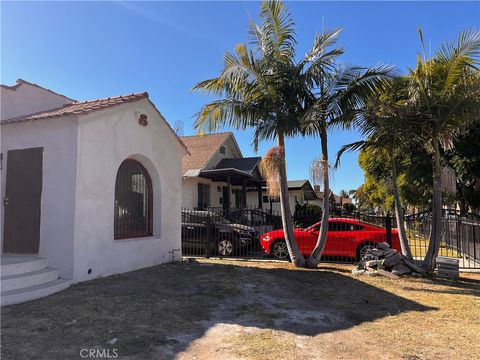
(244, 192)
(260, 195)
(229, 192)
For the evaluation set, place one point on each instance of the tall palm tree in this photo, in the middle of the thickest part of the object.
(263, 89)
(337, 95)
(444, 91)
(386, 123)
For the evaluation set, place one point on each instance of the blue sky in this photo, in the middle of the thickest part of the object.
(89, 50)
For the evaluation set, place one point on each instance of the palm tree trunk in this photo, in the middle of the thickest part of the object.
(314, 258)
(437, 222)
(399, 214)
(295, 256)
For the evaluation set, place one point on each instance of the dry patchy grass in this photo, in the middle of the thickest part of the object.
(419, 247)
(213, 309)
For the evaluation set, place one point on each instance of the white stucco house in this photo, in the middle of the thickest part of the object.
(90, 188)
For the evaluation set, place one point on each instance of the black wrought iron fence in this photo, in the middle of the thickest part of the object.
(460, 236)
(226, 232)
(258, 234)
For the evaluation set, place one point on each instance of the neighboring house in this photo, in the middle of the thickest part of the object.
(299, 192)
(341, 201)
(94, 187)
(336, 202)
(215, 173)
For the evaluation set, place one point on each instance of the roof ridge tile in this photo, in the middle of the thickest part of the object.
(77, 108)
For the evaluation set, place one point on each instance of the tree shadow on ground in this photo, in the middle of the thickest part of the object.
(157, 312)
(462, 286)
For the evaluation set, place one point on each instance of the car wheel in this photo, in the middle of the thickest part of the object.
(225, 247)
(362, 250)
(279, 250)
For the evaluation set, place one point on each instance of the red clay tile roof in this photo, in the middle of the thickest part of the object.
(76, 108)
(201, 148)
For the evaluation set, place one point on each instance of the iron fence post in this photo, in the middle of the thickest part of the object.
(388, 227)
(208, 235)
(474, 245)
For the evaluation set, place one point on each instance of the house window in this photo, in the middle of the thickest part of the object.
(133, 201)
(203, 196)
(222, 150)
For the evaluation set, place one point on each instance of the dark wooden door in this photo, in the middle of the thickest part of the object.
(21, 231)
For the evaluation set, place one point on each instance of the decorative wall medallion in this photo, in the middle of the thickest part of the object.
(142, 120)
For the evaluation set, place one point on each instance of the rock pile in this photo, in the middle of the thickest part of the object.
(386, 261)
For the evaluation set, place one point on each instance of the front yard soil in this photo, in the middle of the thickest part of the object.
(213, 309)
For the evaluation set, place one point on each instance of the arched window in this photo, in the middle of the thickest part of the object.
(133, 201)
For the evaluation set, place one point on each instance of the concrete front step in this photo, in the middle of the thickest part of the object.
(33, 292)
(25, 280)
(27, 277)
(18, 264)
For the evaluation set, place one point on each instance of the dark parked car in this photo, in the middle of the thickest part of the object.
(225, 237)
(256, 218)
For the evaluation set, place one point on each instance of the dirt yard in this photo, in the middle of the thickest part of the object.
(249, 310)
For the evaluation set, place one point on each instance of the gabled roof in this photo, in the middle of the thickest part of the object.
(319, 194)
(297, 184)
(247, 165)
(201, 148)
(76, 108)
(302, 185)
(20, 82)
(241, 166)
(86, 107)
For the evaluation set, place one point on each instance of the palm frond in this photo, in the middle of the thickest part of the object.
(225, 113)
(278, 26)
(355, 146)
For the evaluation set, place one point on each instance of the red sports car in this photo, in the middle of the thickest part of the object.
(346, 237)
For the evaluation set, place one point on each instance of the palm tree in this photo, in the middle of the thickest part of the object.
(337, 95)
(444, 91)
(386, 123)
(263, 89)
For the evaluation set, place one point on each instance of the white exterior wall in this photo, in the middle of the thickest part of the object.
(190, 192)
(318, 202)
(28, 99)
(105, 139)
(252, 200)
(231, 151)
(58, 137)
